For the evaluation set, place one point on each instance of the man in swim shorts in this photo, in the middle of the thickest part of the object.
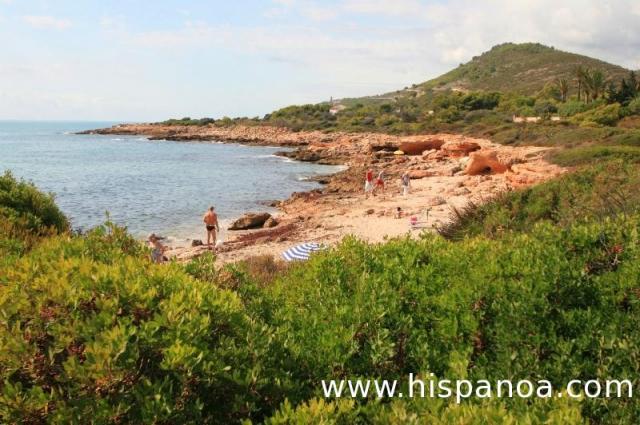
(211, 223)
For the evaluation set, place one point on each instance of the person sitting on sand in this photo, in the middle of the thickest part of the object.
(399, 213)
(368, 183)
(379, 183)
(211, 223)
(157, 249)
(406, 183)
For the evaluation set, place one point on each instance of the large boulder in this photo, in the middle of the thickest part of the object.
(420, 174)
(417, 148)
(458, 149)
(485, 162)
(250, 221)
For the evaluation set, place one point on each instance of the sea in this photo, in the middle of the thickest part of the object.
(161, 187)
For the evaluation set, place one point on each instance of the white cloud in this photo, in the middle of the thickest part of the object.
(411, 8)
(46, 22)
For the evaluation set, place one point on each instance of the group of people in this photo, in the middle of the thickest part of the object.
(372, 186)
(210, 220)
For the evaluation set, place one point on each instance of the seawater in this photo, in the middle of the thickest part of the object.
(148, 186)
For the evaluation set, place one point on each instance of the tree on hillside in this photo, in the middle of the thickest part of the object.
(563, 88)
(579, 73)
(596, 83)
(629, 89)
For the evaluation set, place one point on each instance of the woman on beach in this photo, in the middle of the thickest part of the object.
(405, 181)
(368, 183)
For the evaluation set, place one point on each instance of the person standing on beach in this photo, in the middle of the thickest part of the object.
(405, 180)
(379, 183)
(368, 183)
(157, 249)
(211, 223)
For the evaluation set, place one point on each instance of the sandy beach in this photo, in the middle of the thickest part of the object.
(447, 172)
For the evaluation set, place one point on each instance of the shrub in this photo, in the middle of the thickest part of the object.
(26, 215)
(592, 154)
(554, 303)
(92, 329)
(545, 108)
(633, 108)
(602, 115)
(571, 108)
(599, 191)
(22, 204)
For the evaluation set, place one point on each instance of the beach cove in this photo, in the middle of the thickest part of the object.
(447, 173)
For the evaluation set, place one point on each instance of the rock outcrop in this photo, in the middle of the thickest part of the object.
(485, 162)
(250, 221)
(459, 148)
(418, 147)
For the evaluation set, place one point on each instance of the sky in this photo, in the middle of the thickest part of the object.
(134, 60)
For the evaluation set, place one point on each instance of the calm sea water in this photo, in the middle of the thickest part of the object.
(149, 186)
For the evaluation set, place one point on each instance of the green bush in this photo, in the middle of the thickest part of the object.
(633, 108)
(92, 329)
(26, 215)
(602, 115)
(592, 154)
(22, 204)
(318, 411)
(555, 303)
(571, 108)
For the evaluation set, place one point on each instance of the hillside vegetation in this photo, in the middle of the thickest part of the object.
(91, 328)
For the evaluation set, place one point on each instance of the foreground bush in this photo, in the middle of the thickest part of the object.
(553, 304)
(92, 331)
(90, 328)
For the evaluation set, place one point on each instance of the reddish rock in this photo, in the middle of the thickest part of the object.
(250, 221)
(485, 162)
(458, 149)
(420, 174)
(417, 148)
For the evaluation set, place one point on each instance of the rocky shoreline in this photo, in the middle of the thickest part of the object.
(447, 171)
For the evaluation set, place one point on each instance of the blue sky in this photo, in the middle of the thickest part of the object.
(141, 60)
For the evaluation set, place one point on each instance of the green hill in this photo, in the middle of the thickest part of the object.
(524, 68)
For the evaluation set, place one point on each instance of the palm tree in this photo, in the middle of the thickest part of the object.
(563, 88)
(587, 84)
(597, 83)
(579, 72)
